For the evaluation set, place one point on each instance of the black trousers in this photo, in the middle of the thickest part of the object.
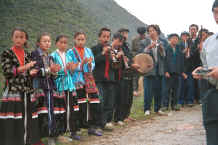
(92, 109)
(107, 96)
(124, 100)
(170, 89)
(210, 115)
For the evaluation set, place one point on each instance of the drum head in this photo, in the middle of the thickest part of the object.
(145, 62)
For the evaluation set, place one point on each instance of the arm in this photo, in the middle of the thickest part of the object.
(11, 68)
(99, 57)
(89, 64)
(8, 68)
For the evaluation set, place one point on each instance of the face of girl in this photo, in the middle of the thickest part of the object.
(152, 32)
(45, 43)
(62, 44)
(19, 38)
(80, 40)
(204, 35)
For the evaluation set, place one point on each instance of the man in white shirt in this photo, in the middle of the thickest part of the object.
(210, 99)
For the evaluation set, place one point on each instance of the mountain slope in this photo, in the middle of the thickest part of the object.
(109, 13)
(65, 17)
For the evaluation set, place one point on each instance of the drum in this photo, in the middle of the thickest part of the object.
(145, 63)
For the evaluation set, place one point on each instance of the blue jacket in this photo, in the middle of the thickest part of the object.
(78, 75)
(64, 79)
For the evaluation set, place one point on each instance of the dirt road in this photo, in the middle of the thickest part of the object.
(179, 128)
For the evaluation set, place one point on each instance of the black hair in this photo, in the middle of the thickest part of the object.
(194, 25)
(185, 33)
(118, 36)
(141, 30)
(102, 30)
(210, 33)
(215, 4)
(156, 28)
(173, 35)
(203, 30)
(40, 37)
(60, 37)
(79, 33)
(123, 30)
(21, 30)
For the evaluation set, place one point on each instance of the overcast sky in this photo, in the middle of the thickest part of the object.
(172, 15)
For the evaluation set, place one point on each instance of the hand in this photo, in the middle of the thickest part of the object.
(167, 75)
(105, 49)
(120, 54)
(153, 44)
(33, 72)
(72, 66)
(200, 46)
(213, 73)
(26, 66)
(87, 60)
(185, 76)
(55, 68)
(126, 59)
(135, 66)
(195, 75)
(30, 64)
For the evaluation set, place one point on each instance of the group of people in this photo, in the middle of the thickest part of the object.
(48, 95)
(171, 83)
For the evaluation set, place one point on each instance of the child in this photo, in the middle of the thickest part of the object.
(64, 83)
(88, 102)
(50, 106)
(18, 116)
(174, 67)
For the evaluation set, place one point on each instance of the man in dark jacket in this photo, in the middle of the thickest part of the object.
(124, 96)
(186, 86)
(173, 68)
(105, 74)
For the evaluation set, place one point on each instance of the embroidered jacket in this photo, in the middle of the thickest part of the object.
(17, 82)
(42, 80)
(77, 76)
(64, 79)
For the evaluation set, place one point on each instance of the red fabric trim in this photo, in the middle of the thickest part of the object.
(11, 114)
(107, 67)
(16, 99)
(59, 109)
(81, 52)
(20, 55)
(42, 109)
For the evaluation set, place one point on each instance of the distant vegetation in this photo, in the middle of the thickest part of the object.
(62, 17)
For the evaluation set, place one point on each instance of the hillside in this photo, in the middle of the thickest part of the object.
(109, 13)
(62, 17)
(66, 17)
(52, 16)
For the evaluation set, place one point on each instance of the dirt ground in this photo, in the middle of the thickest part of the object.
(178, 128)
